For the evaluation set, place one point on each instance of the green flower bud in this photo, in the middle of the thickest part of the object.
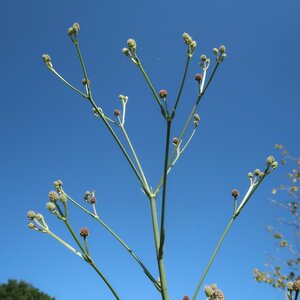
(50, 205)
(126, 52)
(218, 295)
(187, 39)
(203, 57)
(31, 215)
(290, 286)
(196, 117)
(63, 198)
(270, 160)
(209, 291)
(131, 44)
(274, 165)
(250, 175)
(193, 45)
(76, 28)
(215, 51)
(70, 31)
(257, 172)
(222, 49)
(31, 226)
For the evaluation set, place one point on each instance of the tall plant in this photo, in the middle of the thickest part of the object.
(59, 199)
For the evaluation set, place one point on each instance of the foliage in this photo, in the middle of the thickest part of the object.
(59, 199)
(20, 290)
(285, 266)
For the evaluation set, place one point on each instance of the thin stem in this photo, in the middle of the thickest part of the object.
(74, 236)
(136, 158)
(213, 257)
(160, 261)
(163, 205)
(105, 280)
(67, 83)
(138, 62)
(201, 94)
(181, 86)
(118, 239)
(296, 296)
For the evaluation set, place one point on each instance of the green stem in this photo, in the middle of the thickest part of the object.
(96, 217)
(151, 86)
(74, 236)
(296, 295)
(146, 186)
(201, 94)
(105, 280)
(213, 257)
(182, 84)
(67, 83)
(160, 261)
(163, 205)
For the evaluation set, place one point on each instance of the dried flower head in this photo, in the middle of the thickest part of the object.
(163, 94)
(46, 58)
(53, 196)
(235, 193)
(117, 112)
(198, 77)
(84, 232)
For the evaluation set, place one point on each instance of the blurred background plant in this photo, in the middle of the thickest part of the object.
(284, 265)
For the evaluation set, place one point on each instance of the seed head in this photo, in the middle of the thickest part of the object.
(198, 77)
(87, 196)
(84, 232)
(131, 44)
(31, 215)
(53, 196)
(235, 193)
(117, 112)
(163, 94)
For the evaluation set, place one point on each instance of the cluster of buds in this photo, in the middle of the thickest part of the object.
(89, 197)
(196, 120)
(58, 184)
(123, 99)
(204, 62)
(130, 50)
(37, 221)
(213, 293)
(73, 31)
(47, 60)
(220, 53)
(293, 287)
(191, 44)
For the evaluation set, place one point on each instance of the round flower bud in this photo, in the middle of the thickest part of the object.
(274, 165)
(163, 94)
(63, 198)
(235, 193)
(290, 286)
(70, 31)
(126, 52)
(222, 49)
(208, 290)
(218, 295)
(257, 172)
(196, 117)
(296, 285)
(51, 206)
(76, 28)
(250, 175)
(46, 58)
(131, 44)
(186, 298)
(39, 217)
(31, 215)
(84, 232)
(87, 196)
(198, 77)
(215, 51)
(203, 57)
(213, 286)
(187, 38)
(93, 200)
(117, 112)
(223, 56)
(57, 184)
(31, 226)
(270, 160)
(53, 196)
(175, 141)
(193, 44)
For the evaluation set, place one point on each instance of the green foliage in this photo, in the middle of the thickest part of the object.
(21, 290)
(285, 266)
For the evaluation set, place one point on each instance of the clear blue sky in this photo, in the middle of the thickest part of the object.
(48, 132)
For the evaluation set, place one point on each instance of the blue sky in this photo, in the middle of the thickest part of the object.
(48, 132)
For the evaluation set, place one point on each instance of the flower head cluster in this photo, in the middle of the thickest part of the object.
(73, 31)
(130, 50)
(191, 44)
(213, 293)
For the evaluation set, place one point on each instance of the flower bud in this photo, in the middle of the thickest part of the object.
(186, 298)
(93, 200)
(193, 45)
(87, 196)
(117, 112)
(84, 232)
(163, 94)
(175, 141)
(203, 57)
(31, 226)
(257, 172)
(215, 51)
(31, 215)
(187, 39)
(76, 28)
(46, 58)
(290, 286)
(222, 49)
(50, 205)
(126, 52)
(198, 77)
(218, 295)
(85, 82)
(274, 165)
(53, 196)
(131, 44)
(250, 175)
(208, 290)
(196, 117)
(270, 160)
(63, 198)
(235, 193)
